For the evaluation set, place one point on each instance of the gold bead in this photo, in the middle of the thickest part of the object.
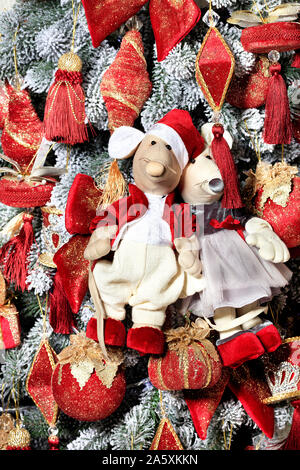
(18, 437)
(70, 62)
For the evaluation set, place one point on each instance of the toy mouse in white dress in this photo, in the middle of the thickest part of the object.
(242, 258)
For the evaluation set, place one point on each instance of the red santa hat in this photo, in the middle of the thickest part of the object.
(176, 128)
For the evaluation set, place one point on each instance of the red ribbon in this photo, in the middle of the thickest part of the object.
(229, 224)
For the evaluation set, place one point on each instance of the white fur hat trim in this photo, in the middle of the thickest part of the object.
(125, 140)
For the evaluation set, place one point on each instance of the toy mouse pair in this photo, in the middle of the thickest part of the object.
(157, 244)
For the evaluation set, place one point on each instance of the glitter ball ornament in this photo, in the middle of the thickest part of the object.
(18, 439)
(191, 361)
(125, 85)
(273, 192)
(250, 91)
(85, 385)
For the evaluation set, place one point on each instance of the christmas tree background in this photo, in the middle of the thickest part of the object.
(44, 34)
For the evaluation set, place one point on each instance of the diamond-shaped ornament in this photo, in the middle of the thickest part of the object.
(38, 383)
(214, 68)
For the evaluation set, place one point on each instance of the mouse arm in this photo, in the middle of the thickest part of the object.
(261, 235)
(100, 242)
(188, 250)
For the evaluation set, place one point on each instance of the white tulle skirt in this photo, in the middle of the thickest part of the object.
(235, 275)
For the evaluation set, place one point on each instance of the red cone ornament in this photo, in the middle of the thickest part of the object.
(3, 105)
(23, 130)
(64, 118)
(126, 85)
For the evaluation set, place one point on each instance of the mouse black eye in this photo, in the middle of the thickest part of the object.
(168, 147)
(153, 142)
(208, 157)
(192, 160)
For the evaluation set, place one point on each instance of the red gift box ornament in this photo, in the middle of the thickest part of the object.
(191, 361)
(272, 34)
(10, 331)
(250, 91)
(282, 371)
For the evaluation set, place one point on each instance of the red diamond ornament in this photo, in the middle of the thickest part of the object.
(38, 383)
(214, 68)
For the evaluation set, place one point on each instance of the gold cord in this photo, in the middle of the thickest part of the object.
(75, 18)
(15, 58)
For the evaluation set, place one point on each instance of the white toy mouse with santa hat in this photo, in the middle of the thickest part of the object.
(152, 237)
(242, 258)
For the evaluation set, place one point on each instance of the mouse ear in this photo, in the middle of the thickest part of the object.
(124, 142)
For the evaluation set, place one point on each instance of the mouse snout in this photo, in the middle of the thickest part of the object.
(155, 168)
(216, 185)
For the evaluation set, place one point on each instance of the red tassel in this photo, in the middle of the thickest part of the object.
(296, 60)
(64, 118)
(293, 440)
(14, 254)
(223, 158)
(277, 126)
(60, 316)
(53, 442)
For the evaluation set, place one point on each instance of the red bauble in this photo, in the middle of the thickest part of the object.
(285, 221)
(191, 361)
(3, 105)
(250, 91)
(296, 129)
(85, 385)
(171, 21)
